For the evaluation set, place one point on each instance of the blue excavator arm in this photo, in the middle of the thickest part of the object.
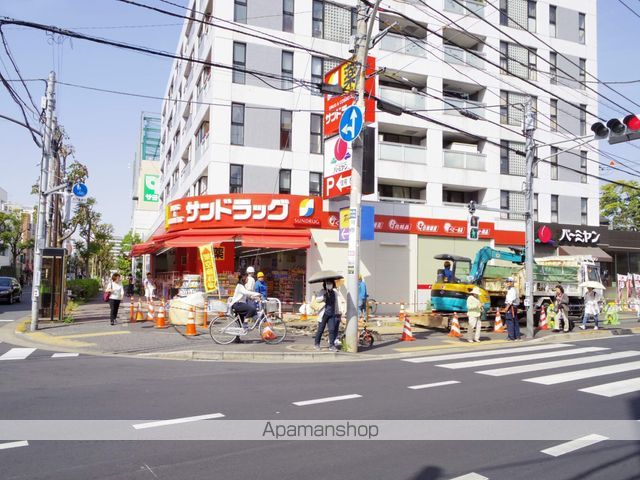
(487, 253)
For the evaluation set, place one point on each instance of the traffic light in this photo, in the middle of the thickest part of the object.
(617, 130)
(473, 227)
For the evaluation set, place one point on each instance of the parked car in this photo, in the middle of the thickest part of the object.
(10, 290)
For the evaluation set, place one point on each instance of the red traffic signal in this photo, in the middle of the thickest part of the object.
(632, 122)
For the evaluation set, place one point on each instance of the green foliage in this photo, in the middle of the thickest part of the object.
(621, 204)
(123, 263)
(12, 226)
(84, 288)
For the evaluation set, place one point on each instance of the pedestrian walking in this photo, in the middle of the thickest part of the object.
(116, 293)
(328, 316)
(511, 311)
(250, 282)
(149, 288)
(591, 308)
(362, 296)
(474, 314)
(130, 285)
(562, 309)
(261, 286)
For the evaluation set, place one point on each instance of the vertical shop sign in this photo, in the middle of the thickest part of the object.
(151, 188)
(209, 272)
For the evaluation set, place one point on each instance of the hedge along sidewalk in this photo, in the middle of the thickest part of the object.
(83, 288)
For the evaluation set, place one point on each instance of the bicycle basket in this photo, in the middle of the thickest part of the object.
(272, 306)
(217, 306)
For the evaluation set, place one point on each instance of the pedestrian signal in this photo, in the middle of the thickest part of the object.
(473, 227)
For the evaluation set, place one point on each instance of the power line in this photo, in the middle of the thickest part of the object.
(630, 9)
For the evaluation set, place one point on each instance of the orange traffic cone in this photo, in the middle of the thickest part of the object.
(407, 334)
(191, 323)
(160, 318)
(542, 324)
(498, 326)
(455, 327)
(268, 333)
(132, 310)
(139, 315)
(151, 312)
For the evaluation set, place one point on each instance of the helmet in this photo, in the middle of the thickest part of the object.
(251, 270)
(509, 280)
(260, 275)
(476, 291)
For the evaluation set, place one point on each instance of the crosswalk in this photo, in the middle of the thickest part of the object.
(598, 363)
(9, 353)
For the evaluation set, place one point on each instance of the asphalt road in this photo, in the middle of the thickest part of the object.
(10, 313)
(39, 386)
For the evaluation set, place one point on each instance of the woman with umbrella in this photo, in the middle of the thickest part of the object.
(330, 313)
(591, 303)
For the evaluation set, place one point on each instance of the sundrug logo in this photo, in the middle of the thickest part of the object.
(306, 207)
(451, 229)
(334, 221)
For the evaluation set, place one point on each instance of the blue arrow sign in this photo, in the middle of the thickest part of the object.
(351, 123)
(80, 190)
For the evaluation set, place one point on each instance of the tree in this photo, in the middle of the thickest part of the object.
(621, 204)
(86, 219)
(12, 236)
(124, 263)
(101, 249)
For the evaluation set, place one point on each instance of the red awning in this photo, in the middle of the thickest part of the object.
(197, 240)
(145, 248)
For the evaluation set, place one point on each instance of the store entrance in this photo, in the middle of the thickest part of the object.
(284, 271)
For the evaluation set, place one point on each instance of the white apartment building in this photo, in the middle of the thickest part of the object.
(231, 133)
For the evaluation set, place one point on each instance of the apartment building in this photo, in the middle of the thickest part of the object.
(469, 64)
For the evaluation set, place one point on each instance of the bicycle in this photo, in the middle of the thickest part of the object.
(226, 327)
(372, 305)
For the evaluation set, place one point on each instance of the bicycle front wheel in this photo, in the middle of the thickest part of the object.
(273, 329)
(223, 329)
(373, 307)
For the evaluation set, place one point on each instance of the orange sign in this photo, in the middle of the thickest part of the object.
(209, 272)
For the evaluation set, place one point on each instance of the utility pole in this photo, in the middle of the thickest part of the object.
(361, 44)
(530, 149)
(42, 200)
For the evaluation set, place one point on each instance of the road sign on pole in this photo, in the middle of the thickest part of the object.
(351, 123)
(80, 190)
(337, 168)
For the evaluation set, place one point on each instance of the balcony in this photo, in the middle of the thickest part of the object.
(185, 171)
(464, 160)
(466, 7)
(402, 44)
(405, 98)
(397, 152)
(460, 104)
(460, 56)
(200, 149)
(203, 47)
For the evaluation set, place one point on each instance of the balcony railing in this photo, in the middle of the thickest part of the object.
(404, 98)
(402, 44)
(471, 5)
(452, 103)
(460, 56)
(397, 152)
(200, 149)
(464, 160)
(401, 200)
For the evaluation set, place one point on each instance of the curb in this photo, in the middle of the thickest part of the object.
(262, 357)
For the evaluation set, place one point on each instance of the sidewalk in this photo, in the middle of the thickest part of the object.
(92, 334)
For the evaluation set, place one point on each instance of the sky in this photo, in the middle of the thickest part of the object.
(104, 128)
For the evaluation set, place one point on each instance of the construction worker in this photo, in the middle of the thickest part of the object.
(474, 314)
(511, 310)
(261, 286)
(251, 282)
(448, 273)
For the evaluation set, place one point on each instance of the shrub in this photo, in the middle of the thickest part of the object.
(84, 288)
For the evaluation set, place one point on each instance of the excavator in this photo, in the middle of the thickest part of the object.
(450, 292)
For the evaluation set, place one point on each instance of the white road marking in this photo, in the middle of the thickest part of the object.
(534, 367)
(581, 374)
(326, 400)
(64, 355)
(520, 358)
(174, 421)
(429, 385)
(6, 320)
(614, 389)
(6, 446)
(17, 354)
(484, 353)
(471, 476)
(574, 445)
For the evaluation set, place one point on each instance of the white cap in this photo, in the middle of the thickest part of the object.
(251, 270)
(510, 279)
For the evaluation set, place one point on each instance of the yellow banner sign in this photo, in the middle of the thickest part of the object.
(209, 272)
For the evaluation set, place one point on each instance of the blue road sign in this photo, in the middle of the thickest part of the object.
(80, 190)
(351, 123)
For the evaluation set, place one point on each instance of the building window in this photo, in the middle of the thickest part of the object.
(202, 185)
(554, 208)
(535, 207)
(512, 158)
(513, 201)
(202, 135)
(316, 143)
(235, 178)
(533, 65)
(240, 11)
(287, 70)
(401, 192)
(237, 124)
(512, 107)
(518, 61)
(553, 32)
(317, 73)
(583, 120)
(519, 14)
(554, 115)
(584, 210)
(582, 27)
(554, 162)
(285, 129)
(583, 166)
(582, 75)
(239, 62)
(287, 16)
(531, 15)
(315, 184)
(553, 68)
(318, 19)
(284, 182)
